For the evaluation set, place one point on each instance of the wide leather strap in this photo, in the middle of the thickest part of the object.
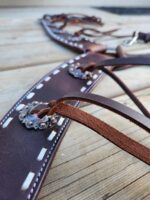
(110, 133)
(26, 155)
(81, 45)
(31, 152)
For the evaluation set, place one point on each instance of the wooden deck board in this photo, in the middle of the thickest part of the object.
(86, 166)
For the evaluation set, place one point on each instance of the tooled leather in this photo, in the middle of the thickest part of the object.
(124, 142)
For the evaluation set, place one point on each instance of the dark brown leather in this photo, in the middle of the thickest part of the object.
(19, 147)
(144, 36)
(127, 91)
(121, 61)
(82, 45)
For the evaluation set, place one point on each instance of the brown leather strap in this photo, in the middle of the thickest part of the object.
(121, 140)
(20, 147)
(123, 60)
(144, 36)
(91, 32)
(80, 45)
(134, 61)
(127, 91)
(16, 142)
(114, 106)
(110, 133)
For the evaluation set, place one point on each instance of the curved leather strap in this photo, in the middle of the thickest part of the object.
(110, 133)
(72, 41)
(127, 91)
(144, 36)
(121, 61)
(111, 105)
(134, 60)
(24, 145)
(124, 60)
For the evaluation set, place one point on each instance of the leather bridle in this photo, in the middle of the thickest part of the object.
(32, 130)
(119, 60)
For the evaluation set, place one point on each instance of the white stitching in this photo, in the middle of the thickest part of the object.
(41, 154)
(47, 78)
(83, 89)
(27, 181)
(7, 122)
(30, 95)
(19, 107)
(39, 86)
(56, 71)
(58, 135)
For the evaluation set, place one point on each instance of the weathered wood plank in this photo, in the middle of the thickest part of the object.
(75, 3)
(26, 55)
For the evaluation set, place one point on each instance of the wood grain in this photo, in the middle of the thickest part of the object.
(75, 3)
(86, 166)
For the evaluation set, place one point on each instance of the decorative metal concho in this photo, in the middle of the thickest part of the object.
(76, 72)
(32, 121)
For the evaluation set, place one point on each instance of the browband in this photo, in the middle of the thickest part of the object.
(122, 61)
(33, 128)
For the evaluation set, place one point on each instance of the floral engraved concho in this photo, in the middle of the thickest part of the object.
(32, 121)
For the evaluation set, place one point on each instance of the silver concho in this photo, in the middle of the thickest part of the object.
(77, 73)
(32, 121)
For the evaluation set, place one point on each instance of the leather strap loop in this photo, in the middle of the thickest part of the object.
(124, 60)
(110, 133)
(127, 91)
(111, 105)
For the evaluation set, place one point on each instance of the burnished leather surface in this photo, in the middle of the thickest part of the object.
(20, 147)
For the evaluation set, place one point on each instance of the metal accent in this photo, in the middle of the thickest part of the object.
(32, 120)
(75, 71)
(131, 41)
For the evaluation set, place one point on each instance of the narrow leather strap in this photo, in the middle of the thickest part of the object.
(127, 91)
(114, 106)
(144, 36)
(134, 60)
(124, 142)
(107, 62)
(122, 61)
